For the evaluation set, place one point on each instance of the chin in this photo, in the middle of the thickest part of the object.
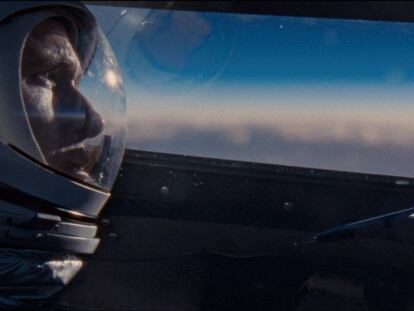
(77, 161)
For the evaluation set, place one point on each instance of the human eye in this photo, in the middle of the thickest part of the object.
(43, 79)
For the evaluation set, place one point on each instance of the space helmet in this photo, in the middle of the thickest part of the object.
(61, 143)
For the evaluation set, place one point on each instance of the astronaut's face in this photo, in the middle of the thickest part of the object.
(60, 116)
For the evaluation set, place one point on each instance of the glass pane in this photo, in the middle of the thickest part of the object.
(311, 92)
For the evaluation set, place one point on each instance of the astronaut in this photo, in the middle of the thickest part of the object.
(62, 138)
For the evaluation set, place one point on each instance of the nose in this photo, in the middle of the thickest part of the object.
(94, 123)
(86, 121)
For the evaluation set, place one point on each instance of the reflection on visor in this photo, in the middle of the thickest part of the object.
(77, 114)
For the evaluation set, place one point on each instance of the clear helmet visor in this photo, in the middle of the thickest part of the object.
(74, 101)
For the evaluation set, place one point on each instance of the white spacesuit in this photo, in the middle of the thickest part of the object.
(62, 138)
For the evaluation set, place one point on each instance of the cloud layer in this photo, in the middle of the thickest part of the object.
(366, 139)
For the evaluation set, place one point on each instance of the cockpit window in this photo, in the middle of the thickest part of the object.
(311, 92)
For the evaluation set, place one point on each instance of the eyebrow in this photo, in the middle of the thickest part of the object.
(48, 56)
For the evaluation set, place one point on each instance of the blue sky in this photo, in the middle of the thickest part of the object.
(288, 49)
(261, 50)
(282, 90)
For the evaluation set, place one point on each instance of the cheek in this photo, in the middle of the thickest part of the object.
(39, 103)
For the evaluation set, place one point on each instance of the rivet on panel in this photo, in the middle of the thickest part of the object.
(112, 236)
(165, 191)
(288, 207)
(105, 222)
